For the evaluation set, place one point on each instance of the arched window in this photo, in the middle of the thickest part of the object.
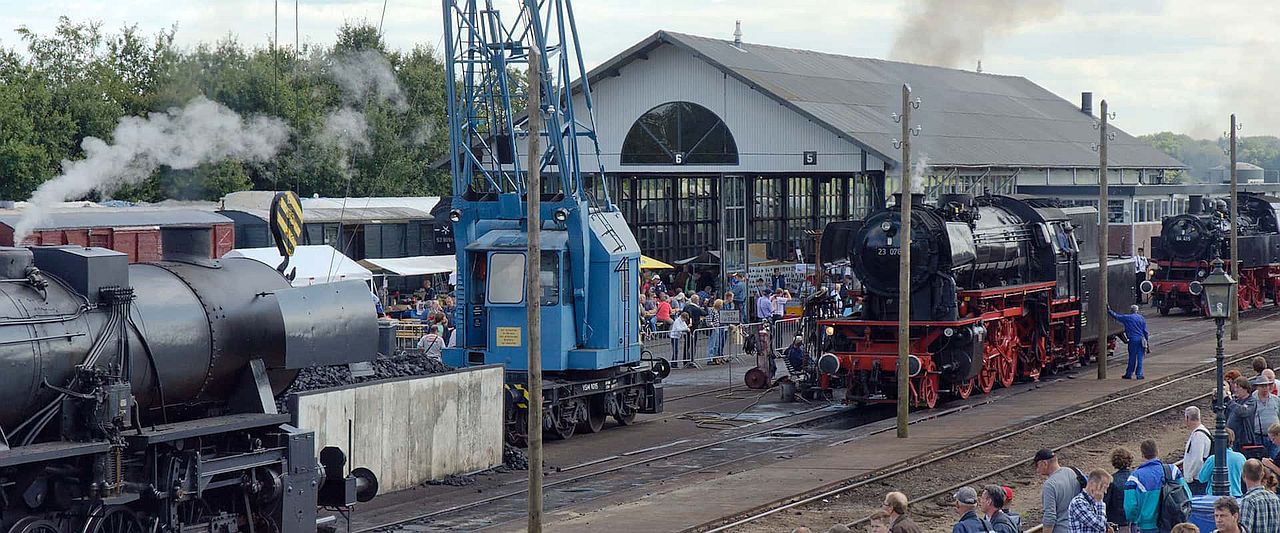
(679, 133)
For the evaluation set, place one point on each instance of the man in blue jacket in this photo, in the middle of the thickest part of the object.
(1142, 490)
(1135, 328)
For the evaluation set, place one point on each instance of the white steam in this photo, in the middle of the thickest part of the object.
(918, 170)
(364, 77)
(947, 33)
(202, 131)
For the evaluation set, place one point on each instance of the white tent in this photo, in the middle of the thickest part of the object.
(318, 263)
(412, 266)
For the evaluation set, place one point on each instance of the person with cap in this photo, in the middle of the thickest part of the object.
(991, 502)
(1266, 411)
(1135, 328)
(1088, 513)
(896, 503)
(1060, 486)
(966, 500)
(1142, 490)
(1140, 266)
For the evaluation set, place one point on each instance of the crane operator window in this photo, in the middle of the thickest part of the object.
(550, 270)
(506, 278)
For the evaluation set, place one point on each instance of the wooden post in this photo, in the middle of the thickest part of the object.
(533, 290)
(904, 270)
(1235, 233)
(1104, 210)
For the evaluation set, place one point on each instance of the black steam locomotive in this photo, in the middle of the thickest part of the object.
(1000, 290)
(141, 397)
(1188, 244)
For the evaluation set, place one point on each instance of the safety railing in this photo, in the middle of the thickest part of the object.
(734, 342)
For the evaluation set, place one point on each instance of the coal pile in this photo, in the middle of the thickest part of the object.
(514, 458)
(400, 365)
(454, 481)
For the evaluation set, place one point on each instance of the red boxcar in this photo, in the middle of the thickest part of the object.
(134, 231)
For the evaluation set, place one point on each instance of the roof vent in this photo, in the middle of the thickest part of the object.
(737, 33)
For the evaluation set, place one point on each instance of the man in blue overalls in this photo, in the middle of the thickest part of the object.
(1135, 328)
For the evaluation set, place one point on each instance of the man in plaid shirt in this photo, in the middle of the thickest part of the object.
(1087, 513)
(1260, 508)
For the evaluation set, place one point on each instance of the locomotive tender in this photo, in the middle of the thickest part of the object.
(1000, 290)
(1189, 242)
(142, 397)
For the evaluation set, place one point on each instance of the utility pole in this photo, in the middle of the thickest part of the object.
(533, 291)
(1103, 321)
(297, 41)
(904, 261)
(1235, 233)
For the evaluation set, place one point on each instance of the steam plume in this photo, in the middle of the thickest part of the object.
(363, 77)
(202, 131)
(946, 33)
(918, 170)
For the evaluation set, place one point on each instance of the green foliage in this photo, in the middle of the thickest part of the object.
(79, 81)
(1201, 155)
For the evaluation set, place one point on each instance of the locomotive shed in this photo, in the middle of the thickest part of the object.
(794, 449)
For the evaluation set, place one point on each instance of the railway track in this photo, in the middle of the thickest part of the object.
(795, 503)
(590, 478)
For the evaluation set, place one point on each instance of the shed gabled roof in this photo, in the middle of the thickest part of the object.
(968, 118)
(114, 217)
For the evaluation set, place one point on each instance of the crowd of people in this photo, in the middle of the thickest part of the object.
(431, 308)
(1143, 494)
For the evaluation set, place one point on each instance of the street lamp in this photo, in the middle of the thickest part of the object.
(1220, 294)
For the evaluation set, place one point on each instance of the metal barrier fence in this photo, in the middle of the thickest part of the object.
(703, 345)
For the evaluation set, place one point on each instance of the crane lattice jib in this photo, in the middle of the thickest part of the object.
(486, 94)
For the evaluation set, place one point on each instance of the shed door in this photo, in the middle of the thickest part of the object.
(733, 226)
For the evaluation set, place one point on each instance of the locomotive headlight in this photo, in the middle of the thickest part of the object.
(455, 216)
(1200, 273)
(560, 215)
(831, 330)
(886, 226)
(948, 332)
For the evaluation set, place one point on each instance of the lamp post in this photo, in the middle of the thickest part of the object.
(1220, 293)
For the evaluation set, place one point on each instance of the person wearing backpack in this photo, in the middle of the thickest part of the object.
(1088, 513)
(1198, 449)
(1156, 496)
(1060, 486)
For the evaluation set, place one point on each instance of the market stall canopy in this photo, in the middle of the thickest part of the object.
(649, 263)
(412, 266)
(316, 263)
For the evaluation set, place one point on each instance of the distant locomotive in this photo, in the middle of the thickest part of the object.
(141, 397)
(1000, 291)
(1188, 244)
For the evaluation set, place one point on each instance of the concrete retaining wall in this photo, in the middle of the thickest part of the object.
(411, 430)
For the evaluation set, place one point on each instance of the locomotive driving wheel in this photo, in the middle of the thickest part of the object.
(924, 391)
(113, 519)
(32, 524)
(963, 390)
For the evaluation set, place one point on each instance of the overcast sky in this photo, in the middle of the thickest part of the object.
(1180, 65)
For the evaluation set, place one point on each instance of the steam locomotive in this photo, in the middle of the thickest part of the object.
(141, 397)
(1188, 244)
(1000, 291)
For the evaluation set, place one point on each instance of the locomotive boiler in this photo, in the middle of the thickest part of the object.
(142, 397)
(1189, 242)
(1000, 291)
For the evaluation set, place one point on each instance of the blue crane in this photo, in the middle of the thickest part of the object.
(591, 354)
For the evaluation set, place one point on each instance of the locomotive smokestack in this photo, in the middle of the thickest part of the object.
(187, 244)
(1086, 103)
(1195, 204)
(917, 199)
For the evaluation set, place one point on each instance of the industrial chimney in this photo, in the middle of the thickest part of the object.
(1086, 103)
(737, 33)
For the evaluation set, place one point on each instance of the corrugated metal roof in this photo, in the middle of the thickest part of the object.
(968, 118)
(116, 217)
(347, 210)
